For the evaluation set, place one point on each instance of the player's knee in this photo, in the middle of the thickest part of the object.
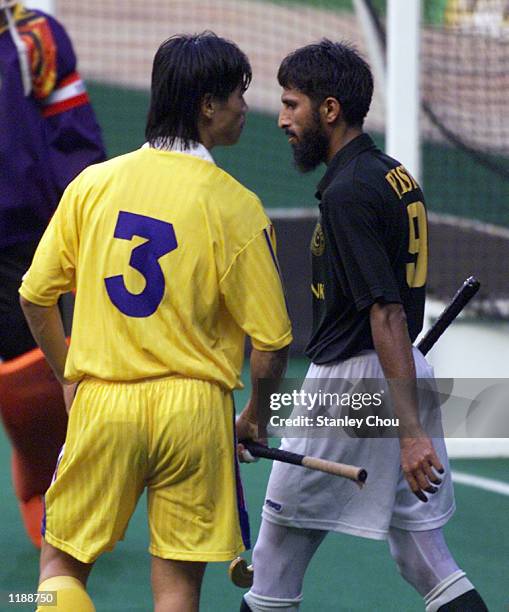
(251, 602)
(264, 551)
(273, 579)
(69, 594)
(405, 568)
(408, 573)
(261, 552)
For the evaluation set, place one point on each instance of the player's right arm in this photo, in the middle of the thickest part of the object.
(51, 274)
(46, 325)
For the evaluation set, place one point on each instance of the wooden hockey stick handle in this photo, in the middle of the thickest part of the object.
(339, 469)
(352, 472)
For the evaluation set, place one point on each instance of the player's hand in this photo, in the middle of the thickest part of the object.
(247, 429)
(69, 390)
(420, 465)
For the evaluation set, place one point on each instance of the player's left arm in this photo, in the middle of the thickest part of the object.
(394, 349)
(367, 277)
(264, 366)
(253, 293)
(73, 134)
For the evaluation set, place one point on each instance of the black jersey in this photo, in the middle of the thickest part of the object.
(370, 245)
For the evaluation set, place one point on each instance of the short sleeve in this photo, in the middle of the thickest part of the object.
(253, 294)
(362, 263)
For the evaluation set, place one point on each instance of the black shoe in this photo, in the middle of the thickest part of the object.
(470, 601)
(244, 607)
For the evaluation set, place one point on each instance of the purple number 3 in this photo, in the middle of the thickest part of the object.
(161, 239)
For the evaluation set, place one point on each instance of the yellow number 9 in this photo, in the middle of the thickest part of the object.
(416, 272)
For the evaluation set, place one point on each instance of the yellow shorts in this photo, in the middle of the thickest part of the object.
(173, 436)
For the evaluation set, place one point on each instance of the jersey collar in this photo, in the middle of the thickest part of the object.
(196, 149)
(342, 158)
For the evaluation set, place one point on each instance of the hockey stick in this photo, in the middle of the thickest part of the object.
(357, 474)
(459, 301)
(241, 574)
(464, 294)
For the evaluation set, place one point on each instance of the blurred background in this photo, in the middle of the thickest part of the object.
(461, 144)
(458, 146)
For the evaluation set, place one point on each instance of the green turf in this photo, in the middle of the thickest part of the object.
(487, 468)
(347, 573)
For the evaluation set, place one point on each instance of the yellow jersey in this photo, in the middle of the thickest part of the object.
(173, 262)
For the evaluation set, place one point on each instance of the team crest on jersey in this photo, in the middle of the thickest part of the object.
(318, 241)
(38, 38)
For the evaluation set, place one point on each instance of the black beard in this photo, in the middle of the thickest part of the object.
(311, 148)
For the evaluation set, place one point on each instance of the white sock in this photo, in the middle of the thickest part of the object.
(261, 603)
(451, 587)
(423, 558)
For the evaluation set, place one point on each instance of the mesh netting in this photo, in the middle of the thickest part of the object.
(116, 42)
(465, 143)
(465, 88)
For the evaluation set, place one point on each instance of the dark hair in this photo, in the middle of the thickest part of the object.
(186, 68)
(326, 69)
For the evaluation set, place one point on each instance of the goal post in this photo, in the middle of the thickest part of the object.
(403, 96)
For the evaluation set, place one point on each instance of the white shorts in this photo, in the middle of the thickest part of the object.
(304, 498)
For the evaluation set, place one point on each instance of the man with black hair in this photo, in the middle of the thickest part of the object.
(369, 259)
(173, 262)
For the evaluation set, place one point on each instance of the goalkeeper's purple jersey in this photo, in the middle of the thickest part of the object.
(47, 137)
